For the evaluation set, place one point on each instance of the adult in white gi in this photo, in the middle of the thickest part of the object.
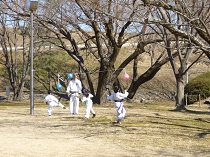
(118, 97)
(52, 101)
(87, 99)
(74, 90)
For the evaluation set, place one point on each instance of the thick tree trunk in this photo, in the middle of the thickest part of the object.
(148, 75)
(180, 103)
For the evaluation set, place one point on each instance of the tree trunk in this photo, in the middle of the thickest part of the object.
(180, 103)
(148, 75)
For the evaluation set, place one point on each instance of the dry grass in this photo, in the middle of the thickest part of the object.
(148, 130)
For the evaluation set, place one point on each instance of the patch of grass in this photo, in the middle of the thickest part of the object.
(10, 104)
(153, 125)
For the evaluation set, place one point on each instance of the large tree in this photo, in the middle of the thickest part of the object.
(13, 58)
(186, 30)
(15, 55)
(103, 27)
(192, 15)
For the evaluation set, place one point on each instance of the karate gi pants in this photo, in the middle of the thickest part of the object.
(89, 109)
(74, 103)
(120, 110)
(53, 104)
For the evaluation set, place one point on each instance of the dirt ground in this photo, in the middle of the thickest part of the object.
(63, 134)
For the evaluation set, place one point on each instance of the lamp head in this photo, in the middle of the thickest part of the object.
(31, 5)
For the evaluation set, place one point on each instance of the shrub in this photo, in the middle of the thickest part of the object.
(198, 86)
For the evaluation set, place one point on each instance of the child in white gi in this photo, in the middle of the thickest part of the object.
(118, 97)
(74, 90)
(89, 104)
(52, 101)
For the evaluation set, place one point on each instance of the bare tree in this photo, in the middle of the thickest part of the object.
(14, 59)
(104, 28)
(193, 15)
(100, 29)
(186, 30)
(14, 35)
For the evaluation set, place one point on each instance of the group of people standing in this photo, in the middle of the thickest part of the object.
(75, 92)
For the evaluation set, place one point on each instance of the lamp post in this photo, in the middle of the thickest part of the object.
(31, 5)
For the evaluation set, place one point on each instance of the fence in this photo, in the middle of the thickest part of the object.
(191, 99)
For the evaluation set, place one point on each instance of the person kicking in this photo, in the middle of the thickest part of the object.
(52, 101)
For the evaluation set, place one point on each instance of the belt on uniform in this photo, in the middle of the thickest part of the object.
(117, 100)
(72, 92)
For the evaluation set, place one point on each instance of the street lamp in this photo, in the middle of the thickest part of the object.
(31, 5)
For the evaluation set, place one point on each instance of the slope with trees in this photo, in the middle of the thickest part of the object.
(105, 27)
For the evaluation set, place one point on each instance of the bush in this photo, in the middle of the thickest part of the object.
(49, 65)
(199, 85)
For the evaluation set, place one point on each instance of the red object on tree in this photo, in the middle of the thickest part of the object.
(126, 76)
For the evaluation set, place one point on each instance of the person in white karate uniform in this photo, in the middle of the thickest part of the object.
(74, 90)
(52, 101)
(118, 97)
(87, 99)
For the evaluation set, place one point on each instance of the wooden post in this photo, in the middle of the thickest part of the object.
(7, 92)
(199, 100)
(185, 99)
(50, 81)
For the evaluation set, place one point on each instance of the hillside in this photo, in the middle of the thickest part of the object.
(161, 87)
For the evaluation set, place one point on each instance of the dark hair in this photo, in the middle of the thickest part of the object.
(116, 89)
(49, 91)
(85, 92)
(74, 75)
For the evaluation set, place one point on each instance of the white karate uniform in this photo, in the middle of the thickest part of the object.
(74, 87)
(89, 105)
(118, 104)
(52, 101)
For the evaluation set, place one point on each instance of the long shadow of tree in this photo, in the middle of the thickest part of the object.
(193, 112)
